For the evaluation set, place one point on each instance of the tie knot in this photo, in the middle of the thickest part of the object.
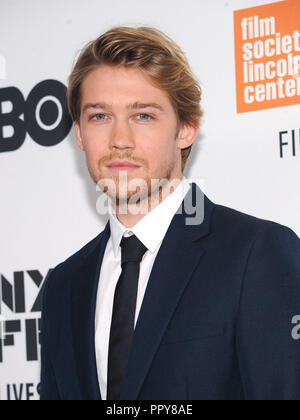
(132, 249)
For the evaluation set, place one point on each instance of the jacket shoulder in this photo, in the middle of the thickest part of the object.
(235, 223)
(62, 272)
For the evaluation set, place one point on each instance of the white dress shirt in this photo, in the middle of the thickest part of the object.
(150, 230)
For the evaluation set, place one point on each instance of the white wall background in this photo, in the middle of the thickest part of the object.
(48, 201)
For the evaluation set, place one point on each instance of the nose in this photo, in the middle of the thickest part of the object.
(121, 136)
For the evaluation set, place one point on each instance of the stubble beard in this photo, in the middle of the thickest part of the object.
(149, 193)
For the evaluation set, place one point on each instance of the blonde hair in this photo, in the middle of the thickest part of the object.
(157, 56)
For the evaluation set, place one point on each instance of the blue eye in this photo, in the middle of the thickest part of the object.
(146, 116)
(101, 117)
(97, 115)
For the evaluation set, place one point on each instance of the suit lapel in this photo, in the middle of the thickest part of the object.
(83, 301)
(177, 259)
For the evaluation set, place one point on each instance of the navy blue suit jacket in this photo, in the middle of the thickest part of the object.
(215, 323)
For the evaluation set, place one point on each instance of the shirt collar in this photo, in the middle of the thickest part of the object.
(151, 229)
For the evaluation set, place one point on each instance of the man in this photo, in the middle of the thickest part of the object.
(164, 303)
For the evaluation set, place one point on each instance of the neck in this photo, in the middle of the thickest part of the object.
(126, 215)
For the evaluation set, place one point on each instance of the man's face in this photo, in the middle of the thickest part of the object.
(110, 130)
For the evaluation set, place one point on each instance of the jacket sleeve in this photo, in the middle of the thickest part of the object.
(48, 386)
(268, 355)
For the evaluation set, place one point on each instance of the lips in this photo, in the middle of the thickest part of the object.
(122, 164)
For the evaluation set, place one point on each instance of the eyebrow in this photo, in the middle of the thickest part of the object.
(135, 105)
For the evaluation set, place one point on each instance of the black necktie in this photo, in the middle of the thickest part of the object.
(123, 316)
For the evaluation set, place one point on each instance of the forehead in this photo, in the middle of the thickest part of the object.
(119, 85)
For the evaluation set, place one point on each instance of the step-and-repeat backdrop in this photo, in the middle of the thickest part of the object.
(246, 54)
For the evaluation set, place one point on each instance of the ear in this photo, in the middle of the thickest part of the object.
(187, 135)
(79, 136)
